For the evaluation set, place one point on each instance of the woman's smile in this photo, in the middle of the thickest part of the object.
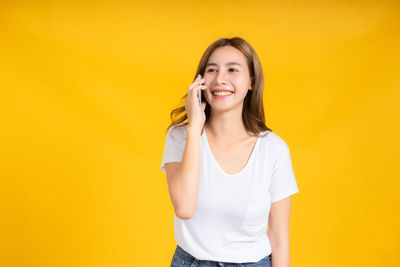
(222, 95)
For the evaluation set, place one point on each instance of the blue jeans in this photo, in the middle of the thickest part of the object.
(182, 258)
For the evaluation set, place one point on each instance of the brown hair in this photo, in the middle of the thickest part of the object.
(253, 109)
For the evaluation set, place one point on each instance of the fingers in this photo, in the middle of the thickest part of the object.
(196, 86)
(196, 82)
(195, 89)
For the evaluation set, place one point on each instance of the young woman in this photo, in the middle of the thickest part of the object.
(229, 176)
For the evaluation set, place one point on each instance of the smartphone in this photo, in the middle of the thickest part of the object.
(199, 93)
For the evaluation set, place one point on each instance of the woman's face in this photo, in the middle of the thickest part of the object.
(227, 78)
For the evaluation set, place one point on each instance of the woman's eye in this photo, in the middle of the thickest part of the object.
(211, 70)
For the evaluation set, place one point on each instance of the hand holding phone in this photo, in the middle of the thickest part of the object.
(196, 115)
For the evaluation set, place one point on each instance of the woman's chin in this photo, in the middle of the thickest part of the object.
(220, 107)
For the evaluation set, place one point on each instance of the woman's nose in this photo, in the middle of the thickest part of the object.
(221, 77)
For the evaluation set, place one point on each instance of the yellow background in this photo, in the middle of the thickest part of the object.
(86, 89)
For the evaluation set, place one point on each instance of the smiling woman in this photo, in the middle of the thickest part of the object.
(241, 62)
(229, 176)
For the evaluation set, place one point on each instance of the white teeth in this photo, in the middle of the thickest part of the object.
(222, 93)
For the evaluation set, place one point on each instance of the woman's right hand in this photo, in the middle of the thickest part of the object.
(196, 115)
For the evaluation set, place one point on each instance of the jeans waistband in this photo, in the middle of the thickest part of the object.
(186, 256)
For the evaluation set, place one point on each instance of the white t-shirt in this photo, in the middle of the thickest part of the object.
(231, 216)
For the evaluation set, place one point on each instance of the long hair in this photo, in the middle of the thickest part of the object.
(253, 108)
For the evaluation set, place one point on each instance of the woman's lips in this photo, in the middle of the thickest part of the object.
(221, 94)
(221, 90)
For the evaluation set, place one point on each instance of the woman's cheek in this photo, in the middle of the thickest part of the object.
(206, 79)
(238, 79)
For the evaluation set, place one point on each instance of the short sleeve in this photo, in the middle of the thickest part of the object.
(174, 146)
(283, 182)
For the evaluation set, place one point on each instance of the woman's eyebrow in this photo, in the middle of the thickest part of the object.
(227, 64)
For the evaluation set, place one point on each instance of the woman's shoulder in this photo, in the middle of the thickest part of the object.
(276, 144)
(178, 131)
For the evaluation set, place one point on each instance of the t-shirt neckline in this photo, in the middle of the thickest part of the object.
(253, 152)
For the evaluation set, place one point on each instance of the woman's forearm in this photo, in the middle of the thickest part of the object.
(185, 183)
(280, 256)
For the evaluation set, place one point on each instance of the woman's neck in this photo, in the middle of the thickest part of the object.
(226, 126)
